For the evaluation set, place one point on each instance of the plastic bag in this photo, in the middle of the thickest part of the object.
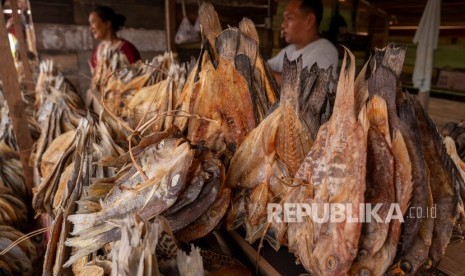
(186, 31)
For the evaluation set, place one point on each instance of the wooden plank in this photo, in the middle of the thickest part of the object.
(443, 111)
(12, 94)
(170, 24)
(263, 266)
(452, 263)
(22, 47)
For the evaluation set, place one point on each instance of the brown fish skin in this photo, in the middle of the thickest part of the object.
(208, 221)
(380, 183)
(266, 161)
(379, 262)
(384, 81)
(460, 176)
(172, 162)
(411, 133)
(409, 262)
(443, 186)
(225, 99)
(333, 172)
(187, 214)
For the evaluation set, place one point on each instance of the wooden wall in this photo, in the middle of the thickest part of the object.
(62, 32)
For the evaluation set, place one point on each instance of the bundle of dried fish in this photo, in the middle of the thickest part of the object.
(155, 103)
(78, 158)
(460, 165)
(272, 153)
(166, 179)
(230, 85)
(16, 259)
(456, 131)
(333, 172)
(13, 211)
(11, 172)
(60, 112)
(125, 81)
(224, 98)
(7, 135)
(50, 77)
(388, 182)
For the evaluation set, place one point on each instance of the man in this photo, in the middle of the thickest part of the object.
(300, 29)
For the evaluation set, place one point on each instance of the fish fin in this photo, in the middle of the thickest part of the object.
(82, 222)
(363, 119)
(209, 22)
(394, 58)
(400, 150)
(272, 109)
(227, 44)
(446, 160)
(247, 27)
(345, 88)
(378, 116)
(361, 88)
(242, 64)
(291, 80)
(248, 47)
(307, 82)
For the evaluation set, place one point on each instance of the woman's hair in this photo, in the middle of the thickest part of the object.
(108, 14)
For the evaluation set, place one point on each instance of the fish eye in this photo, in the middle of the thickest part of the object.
(364, 272)
(406, 266)
(428, 263)
(331, 262)
(362, 253)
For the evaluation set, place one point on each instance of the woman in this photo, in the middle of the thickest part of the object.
(104, 23)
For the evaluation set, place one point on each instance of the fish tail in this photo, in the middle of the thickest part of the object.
(82, 222)
(394, 58)
(209, 21)
(247, 27)
(344, 103)
(227, 44)
(291, 81)
(361, 88)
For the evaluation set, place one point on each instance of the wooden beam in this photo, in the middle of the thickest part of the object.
(170, 24)
(22, 48)
(12, 94)
(264, 266)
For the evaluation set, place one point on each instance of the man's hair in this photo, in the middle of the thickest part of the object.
(314, 6)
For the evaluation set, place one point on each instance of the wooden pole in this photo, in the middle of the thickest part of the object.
(170, 24)
(12, 94)
(22, 47)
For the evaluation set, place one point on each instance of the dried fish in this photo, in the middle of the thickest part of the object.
(333, 172)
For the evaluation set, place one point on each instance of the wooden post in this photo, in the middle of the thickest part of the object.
(12, 94)
(22, 47)
(170, 24)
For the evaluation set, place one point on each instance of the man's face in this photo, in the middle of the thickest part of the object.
(295, 22)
